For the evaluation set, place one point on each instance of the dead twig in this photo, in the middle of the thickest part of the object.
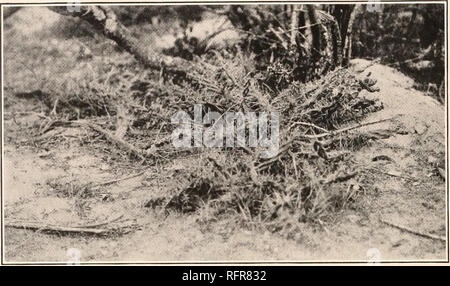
(120, 179)
(100, 224)
(54, 228)
(47, 136)
(336, 132)
(341, 178)
(402, 228)
(309, 125)
(108, 135)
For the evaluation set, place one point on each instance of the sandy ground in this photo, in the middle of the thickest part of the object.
(409, 192)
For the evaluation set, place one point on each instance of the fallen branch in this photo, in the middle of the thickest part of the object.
(25, 224)
(47, 136)
(402, 228)
(54, 228)
(336, 132)
(108, 135)
(341, 178)
(120, 179)
(101, 223)
(104, 20)
(309, 125)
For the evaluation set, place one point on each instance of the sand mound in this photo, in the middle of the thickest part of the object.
(29, 21)
(420, 118)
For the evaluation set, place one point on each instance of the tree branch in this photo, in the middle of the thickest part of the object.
(105, 20)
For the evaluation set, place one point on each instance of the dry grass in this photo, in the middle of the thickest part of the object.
(311, 179)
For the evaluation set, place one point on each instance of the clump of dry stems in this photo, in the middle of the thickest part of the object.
(312, 177)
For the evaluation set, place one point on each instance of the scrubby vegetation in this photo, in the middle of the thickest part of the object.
(303, 77)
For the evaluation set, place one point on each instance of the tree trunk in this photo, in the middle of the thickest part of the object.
(315, 32)
(348, 38)
(294, 26)
(342, 14)
(336, 42)
(302, 25)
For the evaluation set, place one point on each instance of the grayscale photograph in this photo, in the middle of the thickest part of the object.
(297, 132)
